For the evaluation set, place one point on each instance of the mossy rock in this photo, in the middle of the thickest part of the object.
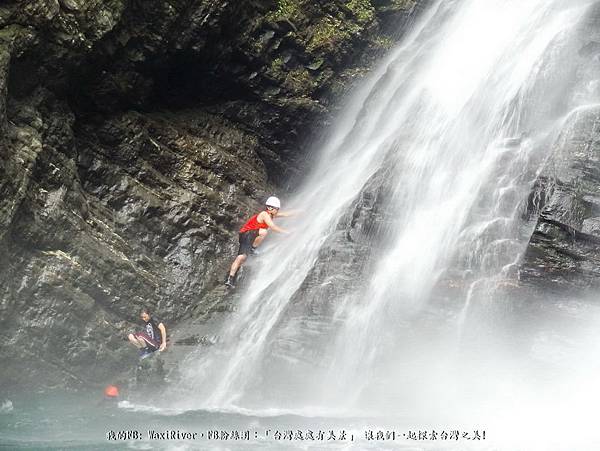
(299, 81)
(286, 10)
(362, 10)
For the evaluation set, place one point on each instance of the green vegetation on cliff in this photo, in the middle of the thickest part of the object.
(285, 9)
(311, 42)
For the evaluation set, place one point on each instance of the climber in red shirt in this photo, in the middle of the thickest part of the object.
(253, 233)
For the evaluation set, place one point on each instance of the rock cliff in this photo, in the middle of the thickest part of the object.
(134, 137)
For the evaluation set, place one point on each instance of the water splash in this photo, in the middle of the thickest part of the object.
(6, 406)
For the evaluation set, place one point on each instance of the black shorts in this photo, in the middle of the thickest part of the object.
(246, 240)
(151, 343)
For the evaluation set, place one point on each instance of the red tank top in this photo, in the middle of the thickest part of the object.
(253, 224)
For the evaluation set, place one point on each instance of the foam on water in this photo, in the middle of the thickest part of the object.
(6, 407)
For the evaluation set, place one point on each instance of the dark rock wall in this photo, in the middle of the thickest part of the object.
(135, 135)
(563, 255)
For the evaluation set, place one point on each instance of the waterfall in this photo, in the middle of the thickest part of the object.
(409, 221)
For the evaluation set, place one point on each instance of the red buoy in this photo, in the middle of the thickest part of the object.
(111, 391)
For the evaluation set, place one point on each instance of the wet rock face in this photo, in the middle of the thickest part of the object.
(564, 249)
(142, 213)
(135, 136)
(340, 270)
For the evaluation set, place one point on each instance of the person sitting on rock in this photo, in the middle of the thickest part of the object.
(152, 338)
(253, 233)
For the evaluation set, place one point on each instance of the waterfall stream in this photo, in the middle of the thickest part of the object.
(410, 222)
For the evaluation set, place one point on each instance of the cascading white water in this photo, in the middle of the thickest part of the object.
(452, 127)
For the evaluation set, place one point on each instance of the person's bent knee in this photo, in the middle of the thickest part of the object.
(263, 232)
(131, 337)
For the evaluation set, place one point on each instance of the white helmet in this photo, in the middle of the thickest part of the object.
(273, 202)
